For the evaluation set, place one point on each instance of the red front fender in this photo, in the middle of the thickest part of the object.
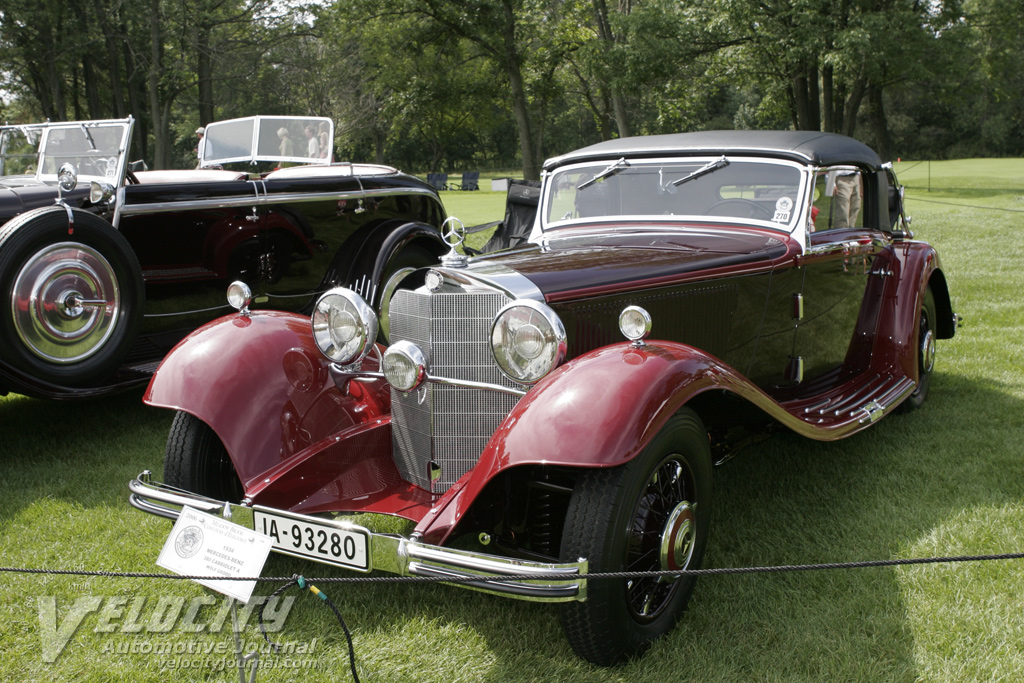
(261, 384)
(599, 410)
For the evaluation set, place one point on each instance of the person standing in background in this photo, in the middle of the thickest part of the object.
(323, 139)
(287, 148)
(312, 145)
(847, 198)
(201, 145)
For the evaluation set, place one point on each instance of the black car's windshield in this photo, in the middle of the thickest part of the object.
(280, 140)
(713, 190)
(19, 150)
(96, 149)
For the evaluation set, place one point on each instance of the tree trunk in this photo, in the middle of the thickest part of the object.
(160, 155)
(117, 99)
(852, 106)
(204, 73)
(813, 95)
(828, 100)
(879, 125)
(520, 106)
(621, 117)
(136, 94)
(604, 33)
(801, 114)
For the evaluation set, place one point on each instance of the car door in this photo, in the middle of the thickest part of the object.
(836, 270)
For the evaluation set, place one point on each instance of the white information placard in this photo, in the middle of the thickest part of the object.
(202, 544)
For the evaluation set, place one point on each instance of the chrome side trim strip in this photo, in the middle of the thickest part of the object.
(265, 199)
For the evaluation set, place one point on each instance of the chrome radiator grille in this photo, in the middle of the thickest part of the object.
(447, 425)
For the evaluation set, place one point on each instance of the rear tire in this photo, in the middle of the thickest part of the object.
(197, 461)
(650, 514)
(924, 342)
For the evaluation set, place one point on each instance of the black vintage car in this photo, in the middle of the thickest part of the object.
(103, 269)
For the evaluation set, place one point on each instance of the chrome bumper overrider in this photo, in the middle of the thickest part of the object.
(392, 553)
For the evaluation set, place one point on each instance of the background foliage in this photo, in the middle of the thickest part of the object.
(450, 85)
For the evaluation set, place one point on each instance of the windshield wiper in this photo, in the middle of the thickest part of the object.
(88, 136)
(708, 168)
(611, 170)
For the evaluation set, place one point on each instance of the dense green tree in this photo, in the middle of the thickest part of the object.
(452, 84)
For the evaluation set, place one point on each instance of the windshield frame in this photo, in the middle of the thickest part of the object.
(265, 128)
(652, 165)
(46, 133)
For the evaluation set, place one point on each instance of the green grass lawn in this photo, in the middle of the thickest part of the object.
(944, 480)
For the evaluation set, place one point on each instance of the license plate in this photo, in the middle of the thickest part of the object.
(324, 541)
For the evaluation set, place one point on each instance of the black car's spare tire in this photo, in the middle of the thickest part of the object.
(71, 296)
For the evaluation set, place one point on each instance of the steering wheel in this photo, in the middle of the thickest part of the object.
(753, 209)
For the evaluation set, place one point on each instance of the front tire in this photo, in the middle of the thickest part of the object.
(72, 296)
(650, 514)
(196, 461)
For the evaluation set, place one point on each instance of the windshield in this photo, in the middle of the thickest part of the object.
(285, 140)
(709, 189)
(95, 148)
(19, 150)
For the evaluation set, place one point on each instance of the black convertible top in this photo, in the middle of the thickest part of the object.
(820, 149)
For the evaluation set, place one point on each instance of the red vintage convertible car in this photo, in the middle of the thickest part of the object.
(98, 286)
(556, 408)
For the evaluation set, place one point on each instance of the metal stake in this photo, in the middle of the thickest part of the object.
(253, 656)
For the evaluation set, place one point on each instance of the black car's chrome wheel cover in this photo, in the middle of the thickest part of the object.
(65, 302)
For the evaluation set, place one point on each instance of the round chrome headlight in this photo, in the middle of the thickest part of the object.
(404, 366)
(528, 340)
(635, 323)
(344, 326)
(239, 296)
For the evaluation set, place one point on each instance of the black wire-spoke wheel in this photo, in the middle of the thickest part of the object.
(662, 533)
(651, 514)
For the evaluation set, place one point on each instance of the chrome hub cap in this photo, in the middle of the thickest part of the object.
(927, 352)
(677, 540)
(65, 302)
(662, 537)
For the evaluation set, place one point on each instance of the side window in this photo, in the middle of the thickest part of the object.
(838, 200)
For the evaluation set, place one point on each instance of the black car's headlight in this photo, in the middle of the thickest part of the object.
(344, 326)
(528, 340)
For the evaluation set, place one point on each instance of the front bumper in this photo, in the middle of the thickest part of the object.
(389, 552)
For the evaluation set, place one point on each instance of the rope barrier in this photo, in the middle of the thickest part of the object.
(532, 577)
(302, 582)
